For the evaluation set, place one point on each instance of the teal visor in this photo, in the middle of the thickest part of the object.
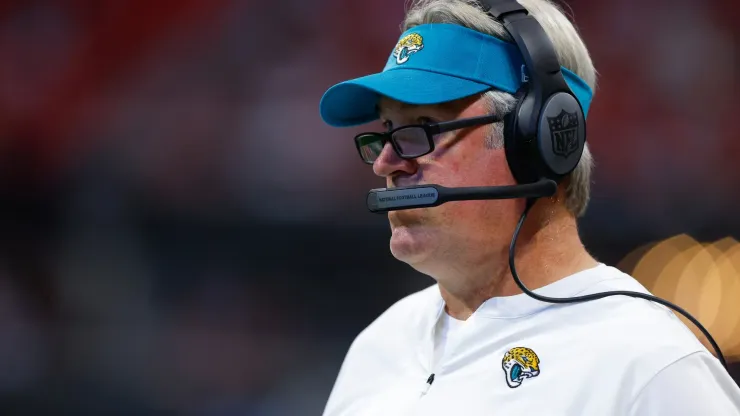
(432, 64)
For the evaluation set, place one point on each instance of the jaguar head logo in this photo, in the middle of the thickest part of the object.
(520, 363)
(408, 45)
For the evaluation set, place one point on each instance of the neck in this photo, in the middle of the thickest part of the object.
(547, 250)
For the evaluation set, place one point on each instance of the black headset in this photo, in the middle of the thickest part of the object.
(545, 134)
(545, 107)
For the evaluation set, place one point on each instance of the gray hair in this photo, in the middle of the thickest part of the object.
(569, 47)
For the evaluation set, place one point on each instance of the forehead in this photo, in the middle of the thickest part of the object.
(387, 106)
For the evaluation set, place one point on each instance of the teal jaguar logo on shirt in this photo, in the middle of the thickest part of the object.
(519, 364)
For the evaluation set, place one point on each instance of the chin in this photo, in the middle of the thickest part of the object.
(411, 244)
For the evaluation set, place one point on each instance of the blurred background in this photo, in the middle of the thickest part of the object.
(181, 234)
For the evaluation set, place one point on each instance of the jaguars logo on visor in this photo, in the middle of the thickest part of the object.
(520, 363)
(408, 45)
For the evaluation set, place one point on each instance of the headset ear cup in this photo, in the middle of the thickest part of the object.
(519, 148)
(562, 135)
(510, 142)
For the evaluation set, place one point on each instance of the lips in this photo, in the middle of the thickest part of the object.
(404, 182)
(403, 179)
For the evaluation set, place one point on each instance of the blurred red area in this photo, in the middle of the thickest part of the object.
(60, 57)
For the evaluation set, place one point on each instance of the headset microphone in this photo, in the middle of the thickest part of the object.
(424, 196)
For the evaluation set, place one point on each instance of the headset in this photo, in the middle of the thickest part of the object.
(545, 107)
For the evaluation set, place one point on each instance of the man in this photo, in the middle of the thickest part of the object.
(474, 344)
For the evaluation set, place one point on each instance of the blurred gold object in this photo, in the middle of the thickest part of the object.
(702, 278)
(649, 267)
(729, 266)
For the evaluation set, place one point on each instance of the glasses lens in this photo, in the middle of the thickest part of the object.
(411, 141)
(370, 145)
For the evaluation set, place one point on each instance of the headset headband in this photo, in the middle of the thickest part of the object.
(536, 47)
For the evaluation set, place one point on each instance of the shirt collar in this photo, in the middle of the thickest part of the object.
(522, 304)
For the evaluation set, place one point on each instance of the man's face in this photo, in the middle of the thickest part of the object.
(454, 234)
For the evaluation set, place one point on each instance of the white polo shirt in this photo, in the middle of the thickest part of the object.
(518, 356)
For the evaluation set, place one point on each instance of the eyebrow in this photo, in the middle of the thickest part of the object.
(403, 106)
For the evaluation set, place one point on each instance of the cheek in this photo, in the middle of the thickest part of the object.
(472, 166)
(490, 170)
(469, 163)
(478, 219)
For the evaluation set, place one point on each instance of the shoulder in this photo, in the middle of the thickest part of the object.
(404, 321)
(643, 323)
(635, 324)
(693, 385)
(631, 350)
(384, 349)
(632, 337)
(394, 335)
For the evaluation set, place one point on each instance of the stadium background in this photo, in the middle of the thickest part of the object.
(182, 235)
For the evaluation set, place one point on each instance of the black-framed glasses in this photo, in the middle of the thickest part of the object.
(415, 140)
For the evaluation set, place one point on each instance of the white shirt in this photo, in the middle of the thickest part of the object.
(447, 328)
(515, 355)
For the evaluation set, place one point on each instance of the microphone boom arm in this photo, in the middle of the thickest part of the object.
(426, 196)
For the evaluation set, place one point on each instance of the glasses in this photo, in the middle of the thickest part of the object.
(413, 141)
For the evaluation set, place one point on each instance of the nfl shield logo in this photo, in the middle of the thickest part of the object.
(563, 131)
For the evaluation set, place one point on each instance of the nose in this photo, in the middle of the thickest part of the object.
(389, 163)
